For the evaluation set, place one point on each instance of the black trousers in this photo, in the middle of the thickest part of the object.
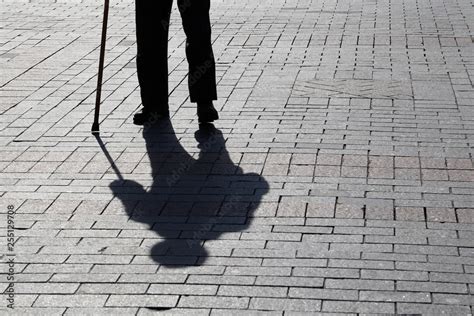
(152, 23)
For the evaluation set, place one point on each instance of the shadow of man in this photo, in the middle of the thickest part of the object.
(192, 200)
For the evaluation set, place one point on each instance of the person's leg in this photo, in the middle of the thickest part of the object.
(152, 23)
(202, 68)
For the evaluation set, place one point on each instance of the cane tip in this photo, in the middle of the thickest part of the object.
(95, 128)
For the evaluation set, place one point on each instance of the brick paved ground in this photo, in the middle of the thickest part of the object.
(339, 178)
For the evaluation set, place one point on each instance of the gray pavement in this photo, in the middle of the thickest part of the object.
(338, 180)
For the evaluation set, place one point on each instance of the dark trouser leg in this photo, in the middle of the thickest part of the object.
(152, 23)
(202, 68)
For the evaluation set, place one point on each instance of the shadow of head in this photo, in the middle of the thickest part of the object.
(194, 200)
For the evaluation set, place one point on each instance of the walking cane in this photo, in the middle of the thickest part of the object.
(95, 125)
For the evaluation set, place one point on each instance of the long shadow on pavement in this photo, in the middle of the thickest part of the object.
(192, 200)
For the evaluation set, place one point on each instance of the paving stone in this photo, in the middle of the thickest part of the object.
(359, 284)
(430, 267)
(243, 312)
(285, 304)
(358, 307)
(83, 300)
(253, 291)
(420, 249)
(441, 215)
(230, 280)
(84, 277)
(102, 311)
(450, 277)
(214, 301)
(324, 294)
(34, 311)
(152, 278)
(394, 275)
(258, 271)
(104, 288)
(46, 288)
(290, 281)
(155, 301)
(389, 296)
(182, 289)
(452, 299)
(431, 287)
(174, 311)
(410, 308)
(394, 257)
(326, 272)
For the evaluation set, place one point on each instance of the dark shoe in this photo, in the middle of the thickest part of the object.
(207, 113)
(145, 116)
